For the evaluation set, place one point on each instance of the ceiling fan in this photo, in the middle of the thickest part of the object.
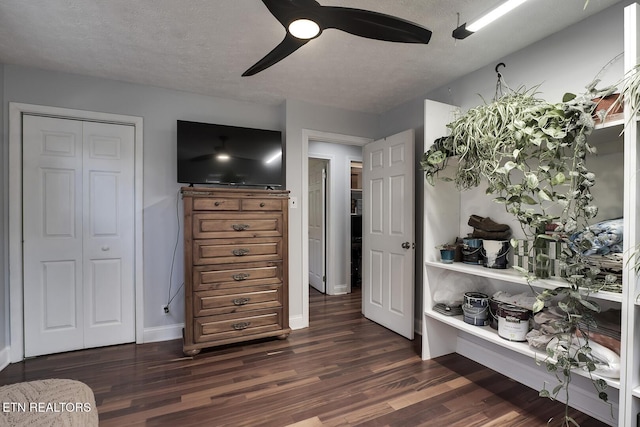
(305, 20)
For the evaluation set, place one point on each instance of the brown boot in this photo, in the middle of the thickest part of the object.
(491, 235)
(486, 224)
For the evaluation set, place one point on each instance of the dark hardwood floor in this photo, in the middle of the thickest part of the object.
(341, 371)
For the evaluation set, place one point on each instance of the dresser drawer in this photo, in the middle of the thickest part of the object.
(207, 303)
(262, 204)
(223, 251)
(216, 204)
(236, 225)
(213, 328)
(225, 276)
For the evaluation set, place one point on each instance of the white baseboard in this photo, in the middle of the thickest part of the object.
(163, 333)
(524, 370)
(297, 322)
(5, 358)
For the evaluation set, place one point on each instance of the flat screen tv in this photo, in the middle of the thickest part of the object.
(229, 155)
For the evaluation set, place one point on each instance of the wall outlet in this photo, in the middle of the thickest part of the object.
(293, 203)
(165, 309)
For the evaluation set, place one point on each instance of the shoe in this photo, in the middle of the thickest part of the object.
(486, 224)
(491, 235)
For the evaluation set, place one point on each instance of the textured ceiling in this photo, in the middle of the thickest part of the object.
(203, 46)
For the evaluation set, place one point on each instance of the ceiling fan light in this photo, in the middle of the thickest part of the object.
(223, 157)
(304, 29)
(496, 13)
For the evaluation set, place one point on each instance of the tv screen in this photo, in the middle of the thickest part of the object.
(229, 155)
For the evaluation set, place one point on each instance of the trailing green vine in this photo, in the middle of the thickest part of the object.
(532, 155)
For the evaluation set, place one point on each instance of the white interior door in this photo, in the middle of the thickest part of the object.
(388, 232)
(78, 232)
(317, 224)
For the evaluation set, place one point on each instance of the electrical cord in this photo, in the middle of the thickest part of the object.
(175, 249)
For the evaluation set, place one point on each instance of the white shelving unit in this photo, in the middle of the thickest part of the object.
(446, 212)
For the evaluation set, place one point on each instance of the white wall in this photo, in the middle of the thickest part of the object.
(300, 116)
(4, 231)
(563, 62)
(339, 217)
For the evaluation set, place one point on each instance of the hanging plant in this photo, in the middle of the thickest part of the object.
(532, 155)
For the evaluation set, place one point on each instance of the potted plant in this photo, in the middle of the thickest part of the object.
(532, 156)
(447, 252)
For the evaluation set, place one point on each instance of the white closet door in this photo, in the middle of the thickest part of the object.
(52, 233)
(108, 237)
(78, 234)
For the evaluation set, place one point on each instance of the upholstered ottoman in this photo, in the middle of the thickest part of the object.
(51, 403)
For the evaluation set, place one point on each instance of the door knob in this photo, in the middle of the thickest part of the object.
(406, 245)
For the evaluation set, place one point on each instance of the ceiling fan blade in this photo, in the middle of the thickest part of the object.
(286, 47)
(286, 10)
(373, 25)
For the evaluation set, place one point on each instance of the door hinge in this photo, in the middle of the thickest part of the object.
(324, 279)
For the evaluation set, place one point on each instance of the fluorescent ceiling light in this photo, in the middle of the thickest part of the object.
(304, 29)
(496, 13)
(465, 31)
(274, 157)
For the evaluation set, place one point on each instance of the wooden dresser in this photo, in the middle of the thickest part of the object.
(235, 255)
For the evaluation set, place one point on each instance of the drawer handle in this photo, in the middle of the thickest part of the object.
(240, 326)
(262, 204)
(240, 301)
(240, 227)
(240, 277)
(216, 204)
(240, 252)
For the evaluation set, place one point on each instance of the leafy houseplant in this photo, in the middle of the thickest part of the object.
(532, 155)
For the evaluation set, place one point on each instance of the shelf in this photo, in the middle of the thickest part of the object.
(491, 335)
(607, 138)
(618, 121)
(513, 276)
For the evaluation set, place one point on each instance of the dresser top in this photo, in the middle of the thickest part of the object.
(232, 192)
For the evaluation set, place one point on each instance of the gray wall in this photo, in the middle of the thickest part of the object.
(4, 274)
(160, 108)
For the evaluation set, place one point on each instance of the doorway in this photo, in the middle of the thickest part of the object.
(356, 224)
(336, 159)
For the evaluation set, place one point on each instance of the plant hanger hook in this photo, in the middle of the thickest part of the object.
(500, 83)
